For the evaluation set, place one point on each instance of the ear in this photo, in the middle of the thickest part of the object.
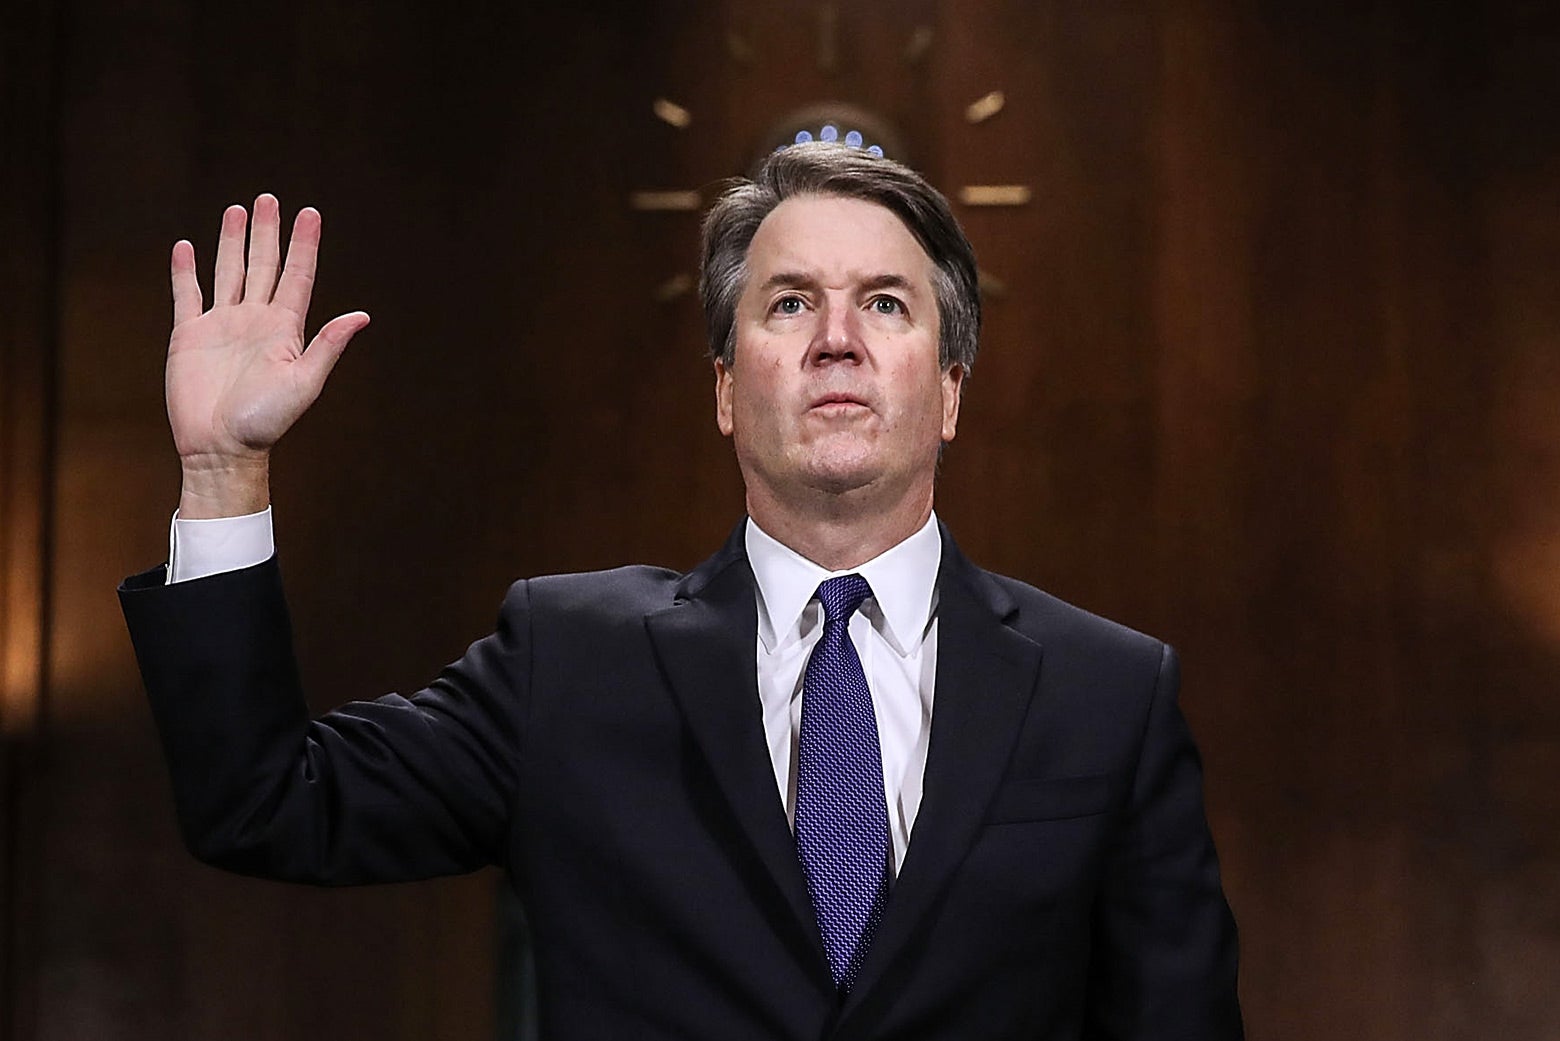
(723, 379)
(952, 385)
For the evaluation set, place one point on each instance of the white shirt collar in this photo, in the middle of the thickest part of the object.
(903, 580)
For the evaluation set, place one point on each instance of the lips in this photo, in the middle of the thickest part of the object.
(825, 400)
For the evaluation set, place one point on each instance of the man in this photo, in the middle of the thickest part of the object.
(834, 782)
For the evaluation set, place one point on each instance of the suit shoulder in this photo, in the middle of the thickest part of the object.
(1050, 620)
(623, 592)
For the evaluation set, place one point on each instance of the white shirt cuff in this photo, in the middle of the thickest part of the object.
(198, 548)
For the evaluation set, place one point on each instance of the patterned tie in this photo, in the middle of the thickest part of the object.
(841, 819)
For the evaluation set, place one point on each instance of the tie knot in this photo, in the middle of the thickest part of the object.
(841, 596)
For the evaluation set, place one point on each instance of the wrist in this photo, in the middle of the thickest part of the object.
(224, 486)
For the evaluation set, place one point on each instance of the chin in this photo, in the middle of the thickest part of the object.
(838, 484)
(838, 476)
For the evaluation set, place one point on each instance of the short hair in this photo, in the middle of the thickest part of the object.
(825, 169)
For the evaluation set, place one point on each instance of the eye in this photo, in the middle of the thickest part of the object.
(887, 305)
(787, 305)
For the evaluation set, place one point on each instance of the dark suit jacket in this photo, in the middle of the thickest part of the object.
(604, 744)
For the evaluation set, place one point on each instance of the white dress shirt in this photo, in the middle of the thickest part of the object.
(895, 635)
(894, 632)
(197, 548)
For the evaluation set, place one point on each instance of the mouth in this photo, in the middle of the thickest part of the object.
(837, 402)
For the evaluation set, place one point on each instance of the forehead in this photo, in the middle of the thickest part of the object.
(835, 240)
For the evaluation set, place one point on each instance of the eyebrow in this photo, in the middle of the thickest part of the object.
(798, 280)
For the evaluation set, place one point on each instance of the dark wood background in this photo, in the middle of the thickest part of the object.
(1274, 376)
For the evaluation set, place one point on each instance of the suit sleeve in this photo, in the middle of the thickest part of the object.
(394, 789)
(1163, 967)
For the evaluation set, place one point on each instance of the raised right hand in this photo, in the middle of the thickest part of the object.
(238, 375)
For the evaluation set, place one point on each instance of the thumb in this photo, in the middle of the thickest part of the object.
(324, 351)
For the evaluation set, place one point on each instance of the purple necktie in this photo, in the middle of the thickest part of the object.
(841, 819)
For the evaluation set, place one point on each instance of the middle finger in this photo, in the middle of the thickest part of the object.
(263, 249)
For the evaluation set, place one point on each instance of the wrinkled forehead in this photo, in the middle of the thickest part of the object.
(834, 239)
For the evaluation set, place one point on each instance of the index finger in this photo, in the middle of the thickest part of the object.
(297, 282)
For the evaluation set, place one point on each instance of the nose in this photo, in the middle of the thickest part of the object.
(838, 336)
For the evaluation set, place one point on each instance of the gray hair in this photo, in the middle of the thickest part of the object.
(839, 170)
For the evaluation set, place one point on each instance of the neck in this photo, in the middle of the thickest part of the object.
(839, 532)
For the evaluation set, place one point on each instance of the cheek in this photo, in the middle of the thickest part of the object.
(751, 412)
(763, 387)
(926, 406)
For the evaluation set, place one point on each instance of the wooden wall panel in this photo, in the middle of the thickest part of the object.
(1271, 377)
(28, 190)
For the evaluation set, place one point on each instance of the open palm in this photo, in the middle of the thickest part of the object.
(238, 375)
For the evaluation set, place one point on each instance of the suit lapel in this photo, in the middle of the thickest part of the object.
(986, 676)
(705, 644)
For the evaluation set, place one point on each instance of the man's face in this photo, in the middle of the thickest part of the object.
(836, 385)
